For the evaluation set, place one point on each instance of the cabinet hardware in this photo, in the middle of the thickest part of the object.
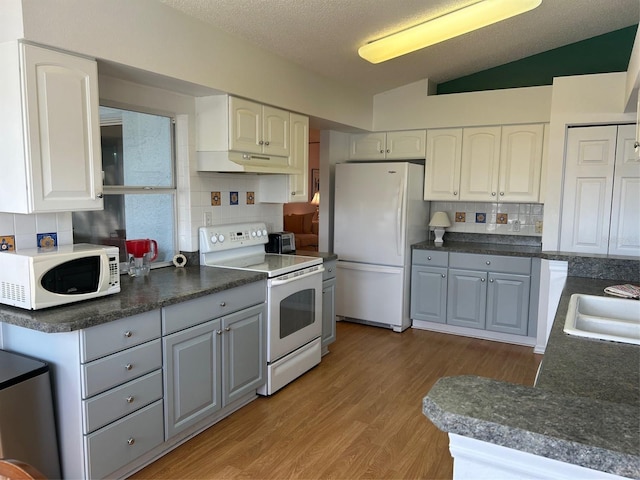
(266, 143)
(491, 280)
(130, 399)
(455, 193)
(127, 334)
(261, 142)
(444, 276)
(131, 441)
(493, 194)
(223, 304)
(488, 262)
(502, 194)
(227, 329)
(482, 280)
(429, 257)
(100, 195)
(128, 366)
(218, 332)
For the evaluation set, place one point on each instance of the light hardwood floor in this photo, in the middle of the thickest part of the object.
(356, 415)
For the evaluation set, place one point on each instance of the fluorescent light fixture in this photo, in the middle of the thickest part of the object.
(453, 24)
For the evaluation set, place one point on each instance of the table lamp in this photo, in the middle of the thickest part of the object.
(439, 221)
(316, 201)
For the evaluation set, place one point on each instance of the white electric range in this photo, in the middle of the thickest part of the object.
(294, 296)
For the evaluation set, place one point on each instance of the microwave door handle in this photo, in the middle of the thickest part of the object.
(276, 283)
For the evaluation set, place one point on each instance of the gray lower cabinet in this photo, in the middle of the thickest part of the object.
(210, 365)
(328, 305)
(488, 292)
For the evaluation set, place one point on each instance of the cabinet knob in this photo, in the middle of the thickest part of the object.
(128, 366)
(488, 262)
(293, 194)
(455, 193)
(261, 142)
(330, 270)
(218, 332)
(444, 276)
(636, 144)
(493, 194)
(223, 304)
(100, 195)
(429, 257)
(266, 143)
(502, 194)
(131, 441)
(388, 151)
(482, 280)
(128, 334)
(227, 329)
(129, 399)
(491, 280)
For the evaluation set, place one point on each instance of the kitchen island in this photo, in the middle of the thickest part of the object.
(582, 417)
(137, 373)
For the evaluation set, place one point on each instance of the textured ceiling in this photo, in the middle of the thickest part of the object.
(324, 35)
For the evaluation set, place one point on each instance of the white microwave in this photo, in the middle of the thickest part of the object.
(47, 277)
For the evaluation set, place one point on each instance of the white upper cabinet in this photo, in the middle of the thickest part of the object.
(50, 131)
(480, 164)
(256, 128)
(442, 165)
(403, 145)
(299, 183)
(600, 211)
(520, 163)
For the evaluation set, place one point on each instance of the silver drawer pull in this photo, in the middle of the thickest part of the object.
(491, 280)
(429, 257)
(128, 334)
(131, 441)
(488, 262)
(482, 280)
(444, 276)
(130, 399)
(128, 366)
(227, 329)
(330, 270)
(223, 304)
(218, 332)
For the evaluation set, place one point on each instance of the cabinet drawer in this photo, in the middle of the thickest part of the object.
(187, 314)
(102, 340)
(122, 442)
(119, 368)
(329, 269)
(120, 401)
(431, 258)
(490, 263)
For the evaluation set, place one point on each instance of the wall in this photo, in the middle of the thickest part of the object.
(174, 45)
(26, 228)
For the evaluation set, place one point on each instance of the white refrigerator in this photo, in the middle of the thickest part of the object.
(379, 213)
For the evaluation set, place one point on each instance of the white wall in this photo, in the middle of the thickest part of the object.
(10, 20)
(578, 100)
(150, 36)
(410, 107)
(334, 147)
(633, 75)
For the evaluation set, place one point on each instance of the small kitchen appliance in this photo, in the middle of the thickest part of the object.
(294, 296)
(141, 253)
(38, 278)
(281, 242)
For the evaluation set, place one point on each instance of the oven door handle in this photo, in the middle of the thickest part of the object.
(276, 283)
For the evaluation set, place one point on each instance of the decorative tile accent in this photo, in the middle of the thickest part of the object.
(233, 198)
(461, 217)
(502, 218)
(481, 217)
(7, 243)
(47, 240)
(216, 199)
(251, 198)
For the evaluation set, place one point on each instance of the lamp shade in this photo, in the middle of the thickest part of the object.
(316, 199)
(440, 219)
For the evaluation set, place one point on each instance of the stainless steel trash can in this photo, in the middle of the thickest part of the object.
(27, 423)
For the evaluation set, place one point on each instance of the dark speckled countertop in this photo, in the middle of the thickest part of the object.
(162, 287)
(583, 410)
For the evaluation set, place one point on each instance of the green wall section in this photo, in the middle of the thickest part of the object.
(602, 54)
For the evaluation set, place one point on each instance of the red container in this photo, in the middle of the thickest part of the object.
(140, 246)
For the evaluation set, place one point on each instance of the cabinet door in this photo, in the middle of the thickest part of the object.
(520, 163)
(442, 165)
(429, 294)
(480, 162)
(588, 186)
(192, 376)
(275, 132)
(624, 234)
(508, 303)
(62, 130)
(299, 159)
(467, 298)
(367, 146)
(245, 125)
(243, 352)
(328, 312)
(406, 145)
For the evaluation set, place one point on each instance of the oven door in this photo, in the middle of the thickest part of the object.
(295, 312)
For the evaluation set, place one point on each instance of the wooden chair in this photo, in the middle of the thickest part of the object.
(17, 470)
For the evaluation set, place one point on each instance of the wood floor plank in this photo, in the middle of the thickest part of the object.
(357, 415)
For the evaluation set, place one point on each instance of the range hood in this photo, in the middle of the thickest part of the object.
(238, 162)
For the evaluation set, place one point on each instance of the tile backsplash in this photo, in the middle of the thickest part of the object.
(493, 218)
(27, 230)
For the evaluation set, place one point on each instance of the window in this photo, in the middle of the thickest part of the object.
(139, 184)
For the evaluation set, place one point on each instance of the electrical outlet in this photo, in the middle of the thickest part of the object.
(208, 219)
(539, 226)
(516, 225)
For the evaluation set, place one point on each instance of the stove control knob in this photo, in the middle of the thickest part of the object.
(214, 239)
(259, 233)
(221, 238)
(264, 233)
(253, 233)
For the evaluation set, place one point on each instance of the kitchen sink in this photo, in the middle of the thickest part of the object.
(603, 318)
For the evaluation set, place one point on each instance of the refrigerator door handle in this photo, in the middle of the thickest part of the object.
(400, 219)
(368, 267)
